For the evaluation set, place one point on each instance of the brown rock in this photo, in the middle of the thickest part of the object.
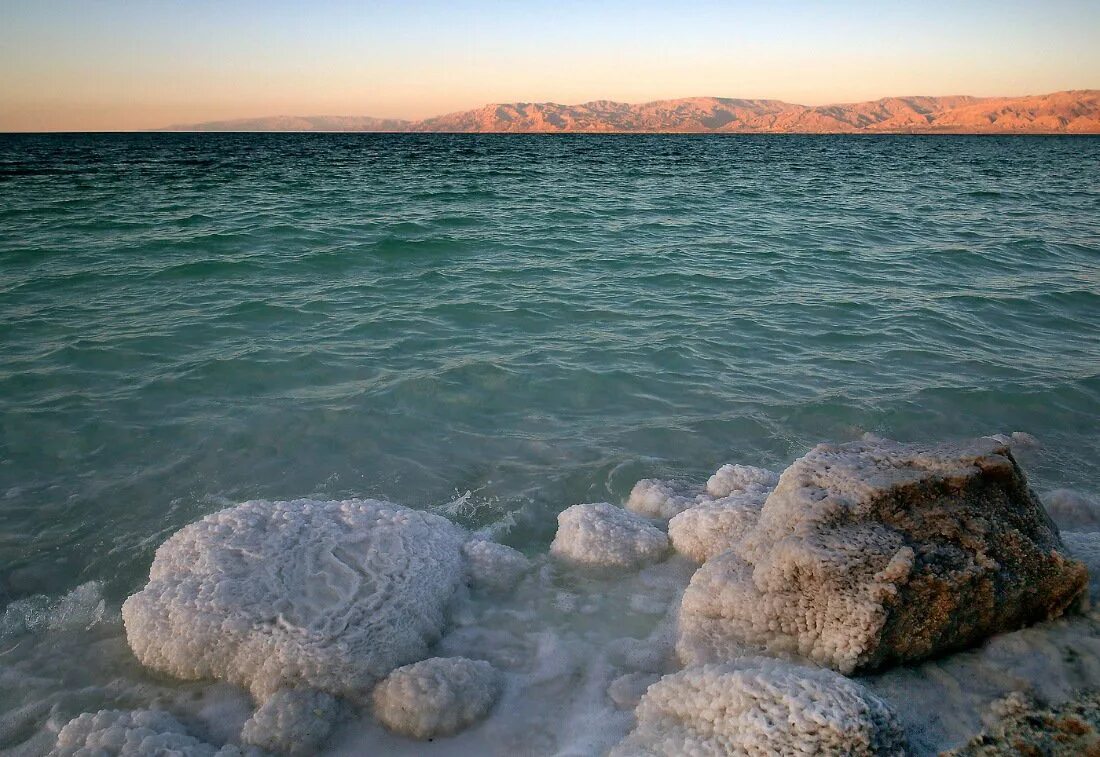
(872, 553)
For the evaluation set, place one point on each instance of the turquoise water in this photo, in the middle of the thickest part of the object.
(188, 321)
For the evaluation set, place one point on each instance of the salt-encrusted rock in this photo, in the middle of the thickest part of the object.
(1019, 724)
(757, 706)
(653, 498)
(604, 536)
(294, 722)
(272, 595)
(492, 566)
(138, 733)
(735, 479)
(436, 697)
(707, 530)
(1072, 510)
(870, 553)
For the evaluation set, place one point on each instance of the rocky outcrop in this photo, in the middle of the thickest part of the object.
(1020, 725)
(876, 552)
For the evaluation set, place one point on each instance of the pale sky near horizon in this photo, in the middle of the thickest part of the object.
(110, 64)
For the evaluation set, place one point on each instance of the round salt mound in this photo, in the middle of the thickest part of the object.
(436, 697)
(122, 733)
(653, 498)
(760, 706)
(734, 479)
(293, 722)
(708, 530)
(493, 567)
(604, 536)
(270, 595)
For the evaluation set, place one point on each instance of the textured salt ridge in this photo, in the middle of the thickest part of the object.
(601, 535)
(293, 722)
(436, 697)
(139, 733)
(662, 500)
(709, 529)
(493, 567)
(268, 595)
(758, 706)
(875, 552)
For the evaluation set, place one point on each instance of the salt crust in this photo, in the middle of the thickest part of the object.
(653, 498)
(604, 536)
(759, 706)
(492, 566)
(138, 733)
(738, 479)
(293, 722)
(710, 529)
(875, 552)
(436, 697)
(270, 595)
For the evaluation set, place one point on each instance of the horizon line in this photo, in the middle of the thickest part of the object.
(402, 125)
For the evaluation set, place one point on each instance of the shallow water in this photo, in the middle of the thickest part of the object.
(188, 321)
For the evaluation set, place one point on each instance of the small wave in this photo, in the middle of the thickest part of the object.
(81, 608)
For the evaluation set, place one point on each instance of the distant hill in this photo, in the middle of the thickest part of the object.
(299, 123)
(1073, 112)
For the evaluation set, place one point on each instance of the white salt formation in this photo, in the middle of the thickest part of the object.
(661, 500)
(604, 536)
(653, 498)
(710, 529)
(1073, 510)
(736, 479)
(293, 722)
(757, 706)
(876, 552)
(121, 733)
(492, 566)
(436, 697)
(864, 555)
(269, 595)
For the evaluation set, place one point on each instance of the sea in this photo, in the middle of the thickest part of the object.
(494, 328)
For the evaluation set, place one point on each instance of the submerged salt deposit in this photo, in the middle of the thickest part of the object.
(759, 707)
(436, 697)
(132, 734)
(332, 595)
(355, 624)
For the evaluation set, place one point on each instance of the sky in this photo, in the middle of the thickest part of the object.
(139, 64)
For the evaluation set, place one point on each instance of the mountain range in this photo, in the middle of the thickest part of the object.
(1071, 112)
